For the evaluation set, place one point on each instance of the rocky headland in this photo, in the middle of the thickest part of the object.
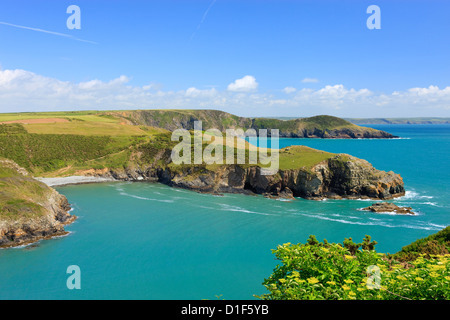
(341, 176)
(29, 209)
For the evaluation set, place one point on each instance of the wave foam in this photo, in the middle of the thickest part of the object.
(144, 198)
(413, 195)
(373, 222)
(227, 207)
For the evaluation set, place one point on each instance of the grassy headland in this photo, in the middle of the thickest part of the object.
(137, 145)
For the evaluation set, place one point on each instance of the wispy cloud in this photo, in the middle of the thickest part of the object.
(310, 80)
(205, 14)
(22, 90)
(46, 31)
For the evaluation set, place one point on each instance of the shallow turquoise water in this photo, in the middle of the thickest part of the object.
(150, 241)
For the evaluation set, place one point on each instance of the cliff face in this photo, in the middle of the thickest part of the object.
(29, 210)
(342, 176)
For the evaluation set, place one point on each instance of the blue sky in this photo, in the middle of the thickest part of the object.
(252, 58)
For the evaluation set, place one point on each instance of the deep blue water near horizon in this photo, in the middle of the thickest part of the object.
(149, 241)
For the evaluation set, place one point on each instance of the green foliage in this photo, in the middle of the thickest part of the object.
(331, 272)
(438, 243)
(49, 152)
(312, 241)
(159, 143)
(351, 246)
(367, 244)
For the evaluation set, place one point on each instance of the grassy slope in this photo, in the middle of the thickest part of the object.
(19, 194)
(300, 156)
(437, 243)
(43, 153)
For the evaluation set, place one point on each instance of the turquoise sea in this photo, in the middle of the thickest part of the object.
(150, 241)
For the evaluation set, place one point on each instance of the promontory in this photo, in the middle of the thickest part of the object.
(29, 209)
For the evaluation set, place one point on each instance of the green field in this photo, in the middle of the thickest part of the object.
(81, 123)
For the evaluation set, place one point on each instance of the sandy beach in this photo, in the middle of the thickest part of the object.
(63, 181)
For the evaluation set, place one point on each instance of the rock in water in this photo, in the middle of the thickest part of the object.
(388, 207)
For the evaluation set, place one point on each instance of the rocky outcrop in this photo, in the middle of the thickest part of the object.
(25, 231)
(27, 217)
(384, 207)
(342, 176)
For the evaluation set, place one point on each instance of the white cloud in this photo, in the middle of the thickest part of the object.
(245, 84)
(21, 90)
(289, 90)
(152, 86)
(310, 80)
(194, 92)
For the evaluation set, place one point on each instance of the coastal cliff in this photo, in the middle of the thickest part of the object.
(340, 176)
(29, 209)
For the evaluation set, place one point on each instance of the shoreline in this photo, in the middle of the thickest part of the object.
(79, 180)
(73, 180)
(26, 243)
(33, 239)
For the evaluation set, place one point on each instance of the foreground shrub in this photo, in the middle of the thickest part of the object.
(333, 271)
